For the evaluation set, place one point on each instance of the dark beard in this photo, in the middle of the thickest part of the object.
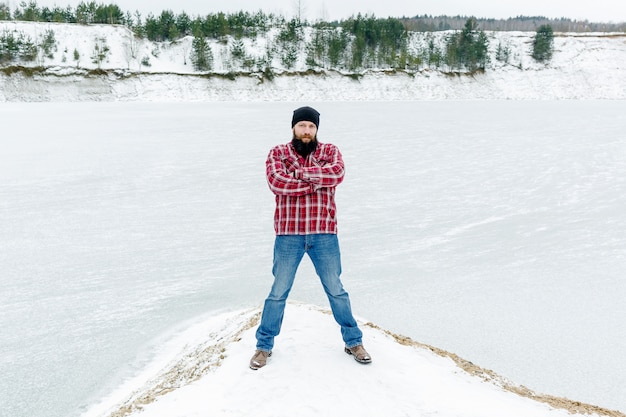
(304, 149)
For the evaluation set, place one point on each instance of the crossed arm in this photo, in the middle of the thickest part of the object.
(286, 175)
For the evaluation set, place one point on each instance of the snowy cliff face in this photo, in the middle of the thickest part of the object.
(584, 66)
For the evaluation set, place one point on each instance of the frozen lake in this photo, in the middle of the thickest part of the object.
(492, 229)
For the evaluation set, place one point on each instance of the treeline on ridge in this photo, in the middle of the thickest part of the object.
(353, 44)
(92, 12)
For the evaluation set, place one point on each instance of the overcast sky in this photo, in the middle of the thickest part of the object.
(595, 11)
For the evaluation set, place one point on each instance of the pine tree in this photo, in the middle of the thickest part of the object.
(469, 48)
(543, 43)
(201, 54)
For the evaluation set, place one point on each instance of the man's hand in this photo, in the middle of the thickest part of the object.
(291, 164)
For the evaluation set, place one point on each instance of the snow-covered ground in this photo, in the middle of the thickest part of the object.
(584, 66)
(490, 229)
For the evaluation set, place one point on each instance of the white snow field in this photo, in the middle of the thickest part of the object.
(494, 230)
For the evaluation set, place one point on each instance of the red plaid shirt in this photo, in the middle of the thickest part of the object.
(305, 189)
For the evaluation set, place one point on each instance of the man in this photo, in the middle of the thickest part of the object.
(304, 174)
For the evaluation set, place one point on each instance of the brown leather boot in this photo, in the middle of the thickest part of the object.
(259, 359)
(359, 353)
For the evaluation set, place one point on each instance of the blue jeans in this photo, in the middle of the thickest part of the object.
(323, 249)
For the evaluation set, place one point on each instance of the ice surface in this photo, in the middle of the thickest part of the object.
(492, 229)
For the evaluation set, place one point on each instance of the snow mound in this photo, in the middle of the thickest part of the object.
(206, 373)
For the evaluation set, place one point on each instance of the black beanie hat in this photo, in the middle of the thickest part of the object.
(306, 113)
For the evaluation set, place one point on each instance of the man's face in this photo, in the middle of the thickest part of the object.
(305, 131)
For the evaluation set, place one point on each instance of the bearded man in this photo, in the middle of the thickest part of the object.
(304, 174)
